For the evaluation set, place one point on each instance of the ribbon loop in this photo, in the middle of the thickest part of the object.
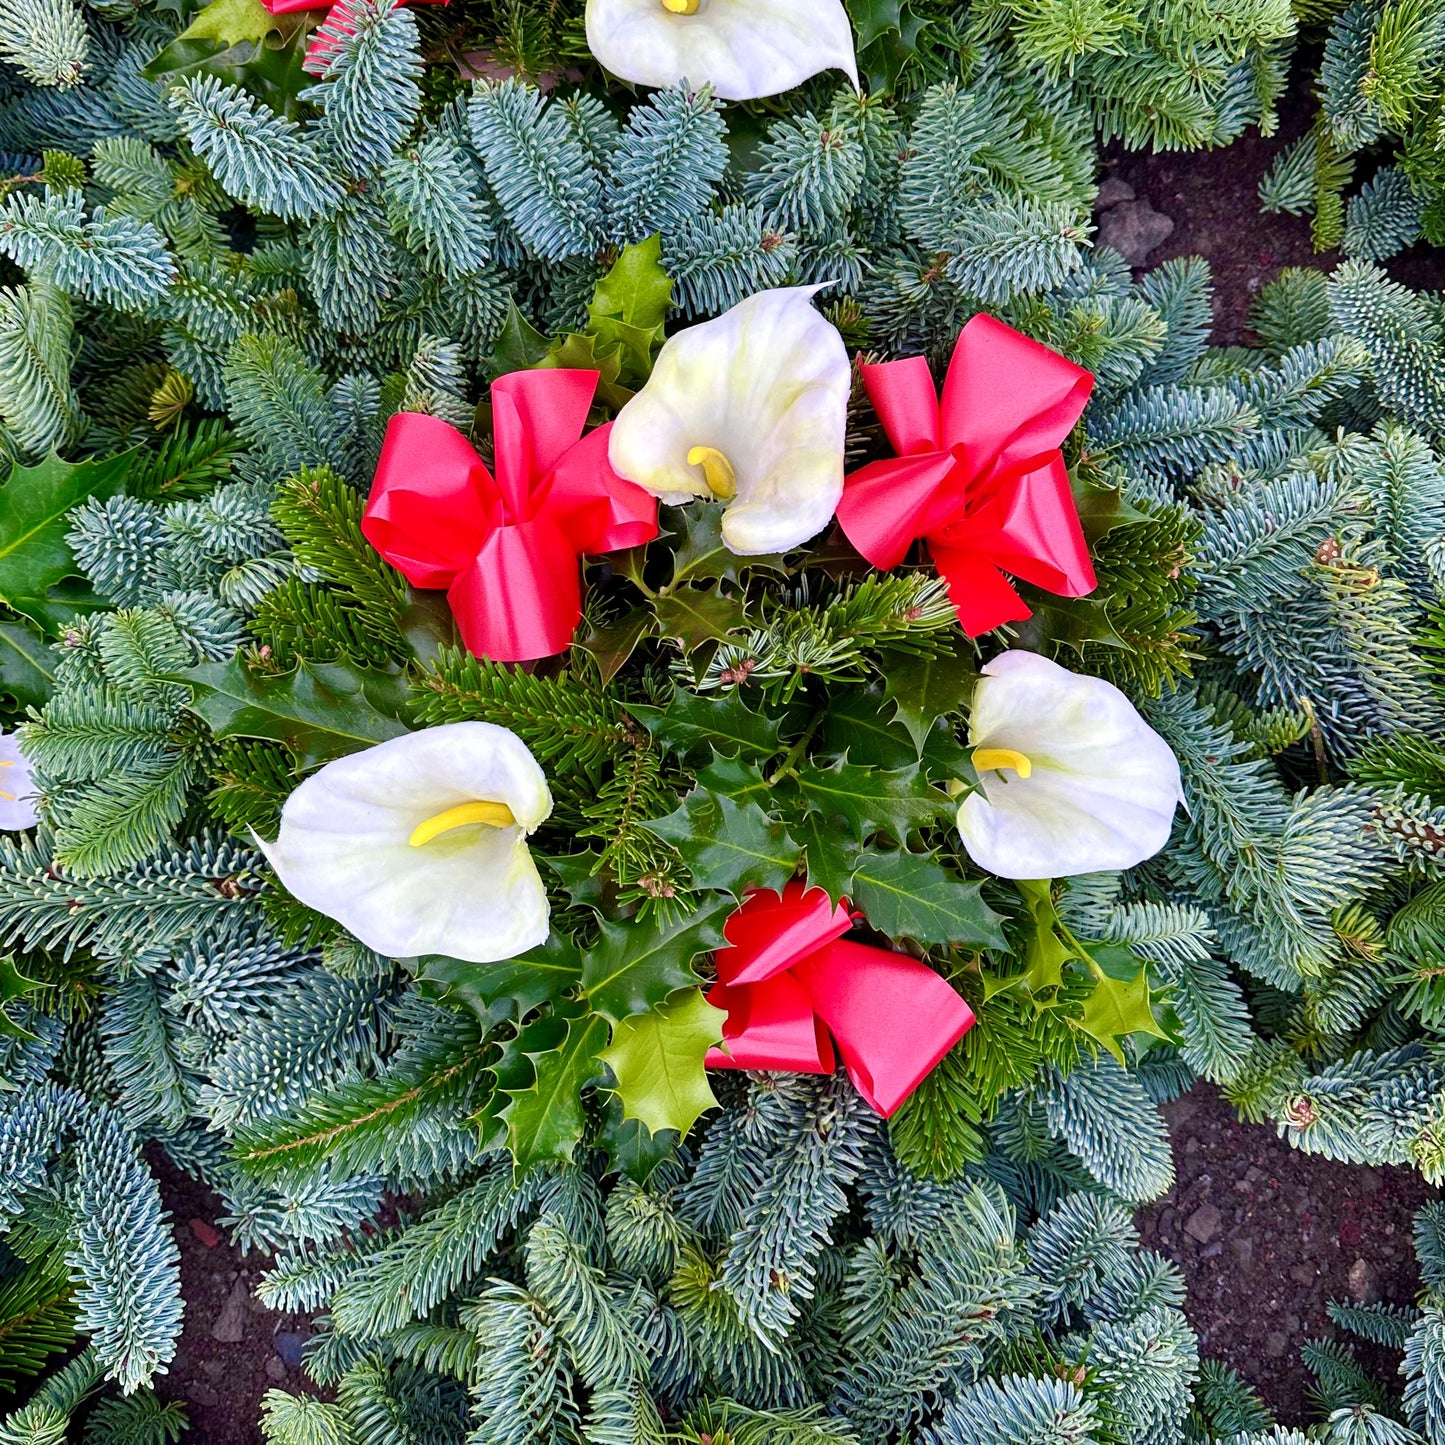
(979, 474)
(507, 548)
(789, 979)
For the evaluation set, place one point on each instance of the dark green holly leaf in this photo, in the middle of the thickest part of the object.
(908, 895)
(1060, 622)
(727, 845)
(520, 346)
(631, 1151)
(1118, 1008)
(545, 1120)
(859, 723)
(734, 779)
(872, 800)
(322, 710)
(1101, 509)
(27, 666)
(629, 306)
(13, 985)
(584, 886)
(831, 855)
(695, 615)
(510, 989)
(892, 30)
(924, 689)
(635, 965)
(657, 1060)
(38, 573)
(610, 644)
(427, 624)
(692, 723)
(701, 554)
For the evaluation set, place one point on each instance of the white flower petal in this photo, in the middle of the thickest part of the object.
(1103, 786)
(18, 810)
(472, 894)
(767, 385)
(744, 49)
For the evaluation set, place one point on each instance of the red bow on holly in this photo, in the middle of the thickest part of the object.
(788, 980)
(979, 475)
(507, 548)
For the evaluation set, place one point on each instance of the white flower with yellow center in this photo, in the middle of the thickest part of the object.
(419, 845)
(17, 801)
(743, 49)
(748, 410)
(1071, 778)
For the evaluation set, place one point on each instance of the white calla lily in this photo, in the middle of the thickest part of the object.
(1071, 778)
(749, 410)
(419, 845)
(743, 49)
(17, 800)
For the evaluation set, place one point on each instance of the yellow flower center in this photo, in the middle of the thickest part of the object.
(1002, 760)
(681, 7)
(9, 797)
(493, 815)
(717, 471)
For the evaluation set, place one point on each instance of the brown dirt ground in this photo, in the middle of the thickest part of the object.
(1265, 1235)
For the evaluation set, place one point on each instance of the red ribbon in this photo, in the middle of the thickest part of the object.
(979, 476)
(507, 548)
(788, 980)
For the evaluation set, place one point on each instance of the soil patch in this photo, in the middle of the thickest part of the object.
(1266, 1235)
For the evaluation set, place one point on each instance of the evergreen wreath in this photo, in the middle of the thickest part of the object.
(262, 273)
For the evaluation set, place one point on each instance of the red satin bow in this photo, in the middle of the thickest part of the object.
(787, 980)
(980, 476)
(507, 547)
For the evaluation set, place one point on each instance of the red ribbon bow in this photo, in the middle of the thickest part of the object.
(507, 548)
(787, 980)
(980, 476)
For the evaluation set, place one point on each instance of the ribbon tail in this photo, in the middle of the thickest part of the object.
(521, 598)
(770, 933)
(770, 1025)
(893, 1017)
(982, 597)
(1040, 538)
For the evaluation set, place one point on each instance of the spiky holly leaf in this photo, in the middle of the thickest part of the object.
(908, 895)
(924, 689)
(695, 615)
(635, 965)
(1118, 1006)
(830, 854)
(322, 710)
(657, 1060)
(519, 345)
(727, 845)
(872, 800)
(27, 667)
(690, 724)
(628, 307)
(38, 573)
(510, 989)
(13, 985)
(631, 1151)
(610, 644)
(545, 1119)
(859, 723)
(735, 779)
(701, 554)
(1060, 622)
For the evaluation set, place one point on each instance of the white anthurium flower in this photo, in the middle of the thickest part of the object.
(749, 410)
(743, 49)
(1071, 778)
(419, 845)
(17, 793)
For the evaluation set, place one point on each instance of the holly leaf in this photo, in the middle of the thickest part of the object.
(634, 966)
(725, 723)
(321, 710)
(13, 985)
(908, 895)
(873, 800)
(924, 689)
(1101, 509)
(727, 845)
(1047, 953)
(512, 988)
(657, 1060)
(695, 615)
(1060, 622)
(735, 779)
(26, 667)
(629, 305)
(1118, 1008)
(610, 644)
(855, 724)
(830, 855)
(519, 346)
(545, 1120)
(39, 577)
(701, 554)
(631, 1151)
